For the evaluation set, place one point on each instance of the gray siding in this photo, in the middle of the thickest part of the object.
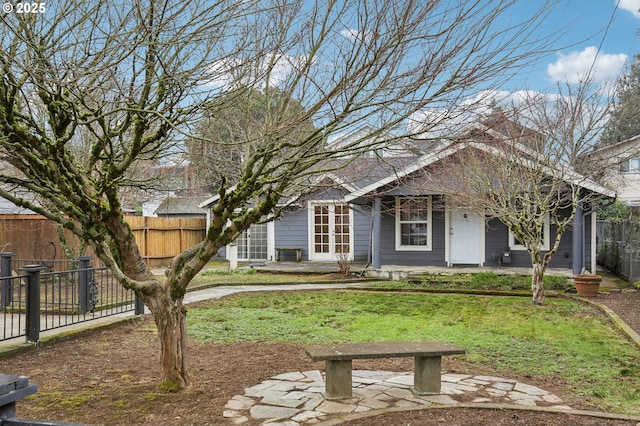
(362, 225)
(497, 241)
(291, 231)
(435, 257)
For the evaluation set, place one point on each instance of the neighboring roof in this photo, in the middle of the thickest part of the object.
(181, 206)
(7, 207)
(635, 140)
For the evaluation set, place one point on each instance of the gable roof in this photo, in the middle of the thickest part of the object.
(364, 175)
(414, 166)
(449, 148)
(631, 147)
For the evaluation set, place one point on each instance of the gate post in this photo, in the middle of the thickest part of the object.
(33, 301)
(84, 277)
(139, 306)
(6, 294)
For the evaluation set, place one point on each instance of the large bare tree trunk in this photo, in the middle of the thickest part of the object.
(537, 284)
(164, 299)
(170, 319)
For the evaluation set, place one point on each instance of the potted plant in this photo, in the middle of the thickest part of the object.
(587, 285)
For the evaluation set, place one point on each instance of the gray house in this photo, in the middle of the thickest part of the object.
(373, 212)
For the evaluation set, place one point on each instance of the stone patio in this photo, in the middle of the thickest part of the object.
(297, 398)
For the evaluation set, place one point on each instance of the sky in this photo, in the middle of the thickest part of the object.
(602, 34)
(597, 35)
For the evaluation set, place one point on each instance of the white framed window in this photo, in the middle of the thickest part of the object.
(632, 165)
(413, 223)
(514, 244)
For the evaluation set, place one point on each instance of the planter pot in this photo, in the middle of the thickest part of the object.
(587, 285)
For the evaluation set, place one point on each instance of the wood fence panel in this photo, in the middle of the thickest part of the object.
(33, 237)
(159, 239)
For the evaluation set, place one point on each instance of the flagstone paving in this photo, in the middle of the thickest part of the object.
(297, 398)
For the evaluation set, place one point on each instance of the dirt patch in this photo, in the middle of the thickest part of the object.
(111, 377)
(475, 416)
(625, 303)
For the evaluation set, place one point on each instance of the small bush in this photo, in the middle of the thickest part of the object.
(344, 264)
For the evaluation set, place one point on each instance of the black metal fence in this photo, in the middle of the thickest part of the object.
(36, 298)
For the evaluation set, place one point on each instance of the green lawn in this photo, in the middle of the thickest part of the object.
(220, 277)
(561, 339)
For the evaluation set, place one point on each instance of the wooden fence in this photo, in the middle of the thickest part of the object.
(619, 248)
(159, 239)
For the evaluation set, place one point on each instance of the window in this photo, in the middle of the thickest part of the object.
(632, 165)
(514, 244)
(413, 223)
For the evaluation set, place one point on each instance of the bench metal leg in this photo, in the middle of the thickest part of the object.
(338, 379)
(426, 379)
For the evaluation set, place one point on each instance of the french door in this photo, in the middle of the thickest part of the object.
(252, 243)
(331, 236)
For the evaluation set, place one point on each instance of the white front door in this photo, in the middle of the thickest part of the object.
(466, 232)
(330, 234)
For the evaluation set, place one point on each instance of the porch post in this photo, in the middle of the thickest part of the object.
(594, 233)
(233, 255)
(376, 261)
(577, 250)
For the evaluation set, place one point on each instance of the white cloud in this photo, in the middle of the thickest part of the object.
(530, 103)
(224, 73)
(576, 66)
(361, 36)
(632, 6)
(220, 73)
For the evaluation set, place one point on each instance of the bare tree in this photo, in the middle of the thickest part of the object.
(226, 136)
(526, 164)
(127, 81)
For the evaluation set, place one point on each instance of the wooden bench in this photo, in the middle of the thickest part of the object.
(298, 251)
(338, 382)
